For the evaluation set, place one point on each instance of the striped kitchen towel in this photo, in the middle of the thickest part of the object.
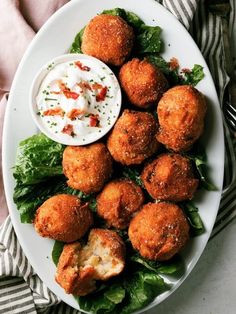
(21, 290)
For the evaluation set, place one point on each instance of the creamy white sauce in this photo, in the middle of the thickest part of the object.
(84, 88)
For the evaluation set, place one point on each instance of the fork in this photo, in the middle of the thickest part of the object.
(222, 9)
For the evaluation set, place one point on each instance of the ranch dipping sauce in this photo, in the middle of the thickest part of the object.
(78, 100)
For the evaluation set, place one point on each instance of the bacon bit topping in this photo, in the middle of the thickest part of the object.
(54, 112)
(70, 94)
(66, 91)
(174, 63)
(102, 94)
(84, 85)
(68, 129)
(81, 66)
(97, 86)
(186, 70)
(74, 113)
(94, 120)
(63, 86)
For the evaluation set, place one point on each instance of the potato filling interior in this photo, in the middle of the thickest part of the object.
(101, 258)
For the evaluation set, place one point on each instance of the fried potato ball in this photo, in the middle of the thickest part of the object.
(108, 38)
(181, 113)
(142, 82)
(159, 231)
(118, 201)
(170, 178)
(102, 258)
(87, 167)
(63, 217)
(132, 139)
(72, 278)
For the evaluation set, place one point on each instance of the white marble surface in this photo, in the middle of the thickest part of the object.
(211, 287)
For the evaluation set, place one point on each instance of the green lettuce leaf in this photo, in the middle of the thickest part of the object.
(171, 267)
(159, 62)
(131, 18)
(194, 76)
(141, 286)
(56, 251)
(130, 292)
(38, 158)
(104, 300)
(199, 157)
(132, 174)
(195, 221)
(76, 45)
(177, 76)
(115, 294)
(115, 12)
(148, 40)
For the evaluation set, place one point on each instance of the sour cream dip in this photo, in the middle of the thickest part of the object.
(75, 99)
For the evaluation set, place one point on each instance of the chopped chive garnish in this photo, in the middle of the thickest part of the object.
(50, 99)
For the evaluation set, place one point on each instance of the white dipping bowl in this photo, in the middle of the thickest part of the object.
(52, 126)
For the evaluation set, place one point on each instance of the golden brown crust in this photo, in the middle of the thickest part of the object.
(63, 217)
(159, 231)
(108, 38)
(181, 113)
(132, 139)
(170, 178)
(69, 275)
(118, 201)
(87, 167)
(142, 82)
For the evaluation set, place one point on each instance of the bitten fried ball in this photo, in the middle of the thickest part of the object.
(170, 178)
(142, 82)
(102, 258)
(63, 217)
(118, 202)
(159, 231)
(132, 139)
(108, 38)
(87, 167)
(181, 113)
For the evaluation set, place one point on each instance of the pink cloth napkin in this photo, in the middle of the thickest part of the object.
(19, 21)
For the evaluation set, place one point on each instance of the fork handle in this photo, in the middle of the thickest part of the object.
(232, 93)
(229, 63)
